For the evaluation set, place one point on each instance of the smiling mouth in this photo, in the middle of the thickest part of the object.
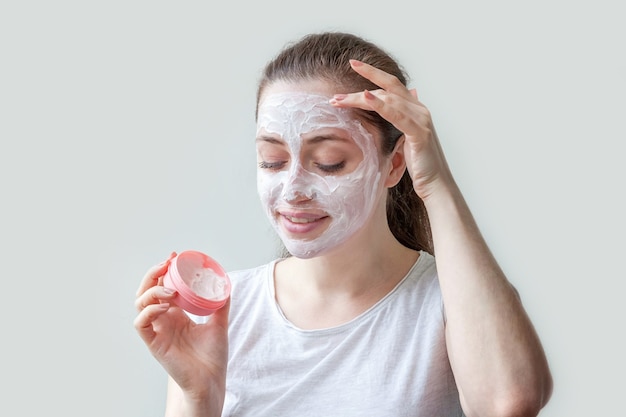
(302, 220)
(302, 217)
(303, 225)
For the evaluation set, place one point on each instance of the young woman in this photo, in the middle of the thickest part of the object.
(388, 302)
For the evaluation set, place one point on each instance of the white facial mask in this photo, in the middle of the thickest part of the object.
(347, 199)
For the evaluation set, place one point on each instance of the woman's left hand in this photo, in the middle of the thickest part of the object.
(400, 106)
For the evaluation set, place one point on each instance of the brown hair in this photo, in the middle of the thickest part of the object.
(325, 56)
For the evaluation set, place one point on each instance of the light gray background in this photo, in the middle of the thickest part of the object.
(127, 132)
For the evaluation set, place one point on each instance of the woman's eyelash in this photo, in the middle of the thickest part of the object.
(332, 168)
(271, 165)
(322, 167)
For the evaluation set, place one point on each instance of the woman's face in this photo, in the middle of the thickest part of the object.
(318, 174)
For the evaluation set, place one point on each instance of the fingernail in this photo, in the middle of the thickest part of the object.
(339, 97)
(168, 291)
(368, 95)
(169, 258)
(355, 63)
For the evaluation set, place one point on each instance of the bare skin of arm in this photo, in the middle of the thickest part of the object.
(496, 356)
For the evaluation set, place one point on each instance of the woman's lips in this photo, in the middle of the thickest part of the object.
(301, 223)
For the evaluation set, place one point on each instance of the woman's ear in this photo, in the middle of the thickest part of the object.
(398, 164)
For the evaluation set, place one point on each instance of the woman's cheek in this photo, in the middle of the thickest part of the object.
(269, 186)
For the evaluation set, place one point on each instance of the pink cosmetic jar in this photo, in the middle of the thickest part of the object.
(201, 284)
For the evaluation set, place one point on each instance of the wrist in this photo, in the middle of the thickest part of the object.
(207, 407)
(440, 194)
(207, 402)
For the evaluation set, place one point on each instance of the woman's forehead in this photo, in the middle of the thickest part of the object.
(313, 138)
(299, 101)
(308, 86)
(301, 112)
(291, 110)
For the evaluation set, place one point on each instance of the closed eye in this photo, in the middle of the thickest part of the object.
(272, 165)
(332, 168)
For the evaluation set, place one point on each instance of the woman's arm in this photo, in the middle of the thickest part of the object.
(204, 405)
(495, 353)
(497, 359)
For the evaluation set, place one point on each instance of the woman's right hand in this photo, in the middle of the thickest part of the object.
(194, 355)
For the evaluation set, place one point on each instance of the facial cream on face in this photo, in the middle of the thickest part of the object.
(347, 199)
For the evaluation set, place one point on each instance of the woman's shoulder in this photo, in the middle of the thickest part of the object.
(251, 295)
(421, 282)
(245, 274)
(247, 282)
(424, 270)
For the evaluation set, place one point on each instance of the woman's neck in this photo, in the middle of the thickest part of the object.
(334, 288)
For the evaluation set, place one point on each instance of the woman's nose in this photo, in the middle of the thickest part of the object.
(296, 197)
(299, 186)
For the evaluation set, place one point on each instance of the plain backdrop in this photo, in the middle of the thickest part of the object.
(127, 132)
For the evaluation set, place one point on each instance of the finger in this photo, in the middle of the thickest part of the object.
(151, 278)
(154, 295)
(413, 92)
(143, 321)
(384, 80)
(408, 117)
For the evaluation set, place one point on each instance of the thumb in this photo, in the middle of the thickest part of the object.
(220, 317)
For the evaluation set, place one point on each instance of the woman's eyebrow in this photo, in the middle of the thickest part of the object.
(322, 138)
(270, 139)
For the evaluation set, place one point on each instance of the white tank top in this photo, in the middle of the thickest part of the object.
(389, 361)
